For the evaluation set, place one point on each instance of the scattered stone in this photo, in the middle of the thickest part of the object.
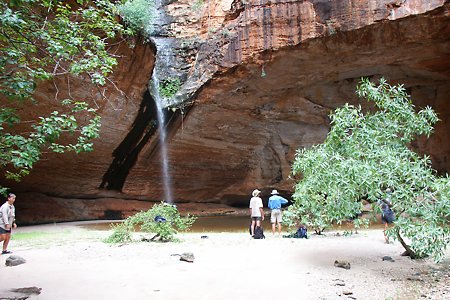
(19, 293)
(204, 237)
(342, 264)
(14, 260)
(28, 290)
(339, 282)
(387, 258)
(414, 279)
(186, 256)
(347, 292)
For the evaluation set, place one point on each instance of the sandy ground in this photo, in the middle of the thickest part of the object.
(69, 262)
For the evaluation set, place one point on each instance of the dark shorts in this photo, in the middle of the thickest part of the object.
(388, 217)
(256, 218)
(3, 231)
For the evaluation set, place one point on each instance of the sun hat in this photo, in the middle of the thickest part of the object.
(256, 192)
(274, 192)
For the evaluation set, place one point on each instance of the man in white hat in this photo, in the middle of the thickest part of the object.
(275, 202)
(256, 210)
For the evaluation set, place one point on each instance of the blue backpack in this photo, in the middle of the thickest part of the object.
(301, 233)
(160, 219)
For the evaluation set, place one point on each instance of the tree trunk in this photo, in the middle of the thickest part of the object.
(408, 249)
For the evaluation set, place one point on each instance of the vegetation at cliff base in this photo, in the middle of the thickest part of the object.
(364, 156)
(163, 220)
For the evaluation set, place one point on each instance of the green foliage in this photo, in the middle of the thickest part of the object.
(121, 233)
(362, 156)
(145, 221)
(168, 87)
(20, 152)
(138, 15)
(41, 40)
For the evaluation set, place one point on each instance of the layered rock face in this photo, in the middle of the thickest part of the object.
(268, 75)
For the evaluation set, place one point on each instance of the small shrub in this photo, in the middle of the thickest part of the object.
(162, 219)
(138, 15)
(121, 233)
(168, 87)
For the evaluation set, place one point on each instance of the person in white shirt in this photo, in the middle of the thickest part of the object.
(256, 210)
(7, 221)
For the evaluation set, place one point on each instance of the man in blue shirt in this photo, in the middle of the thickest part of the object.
(275, 202)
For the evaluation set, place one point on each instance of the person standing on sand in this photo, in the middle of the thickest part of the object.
(387, 215)
(7, 221)
(256, 210)
(275, 203)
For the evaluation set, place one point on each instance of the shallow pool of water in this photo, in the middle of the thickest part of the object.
(219, 224)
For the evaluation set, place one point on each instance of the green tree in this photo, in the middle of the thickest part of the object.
(162, 219)
(363, 155)
(42, 40)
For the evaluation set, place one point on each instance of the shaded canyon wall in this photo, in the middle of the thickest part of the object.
(269, 73)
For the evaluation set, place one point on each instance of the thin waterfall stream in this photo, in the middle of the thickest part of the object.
(166, 179)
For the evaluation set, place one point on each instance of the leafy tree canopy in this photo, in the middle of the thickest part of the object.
(363, 155)
(41, 40)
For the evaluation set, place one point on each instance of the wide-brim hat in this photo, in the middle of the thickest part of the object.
(274, 192)
(256, 192)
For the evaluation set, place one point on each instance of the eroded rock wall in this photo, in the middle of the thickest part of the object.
(268, 74)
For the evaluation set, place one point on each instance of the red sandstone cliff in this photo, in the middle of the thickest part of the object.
(268, 74)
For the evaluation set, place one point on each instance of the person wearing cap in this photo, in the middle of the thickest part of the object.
(256, 210)
(7, 221)
(275, 203)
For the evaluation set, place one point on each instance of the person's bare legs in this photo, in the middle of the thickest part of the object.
(5, 238)
(253, 227)
(6, 241)
(273, 228)
(279, 229)
(384, 233)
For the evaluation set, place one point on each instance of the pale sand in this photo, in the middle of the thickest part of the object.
(76, 264)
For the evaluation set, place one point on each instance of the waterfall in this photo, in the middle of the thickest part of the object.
(167, 180)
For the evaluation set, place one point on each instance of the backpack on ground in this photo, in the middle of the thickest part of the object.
(301, 233)
(259, 233)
